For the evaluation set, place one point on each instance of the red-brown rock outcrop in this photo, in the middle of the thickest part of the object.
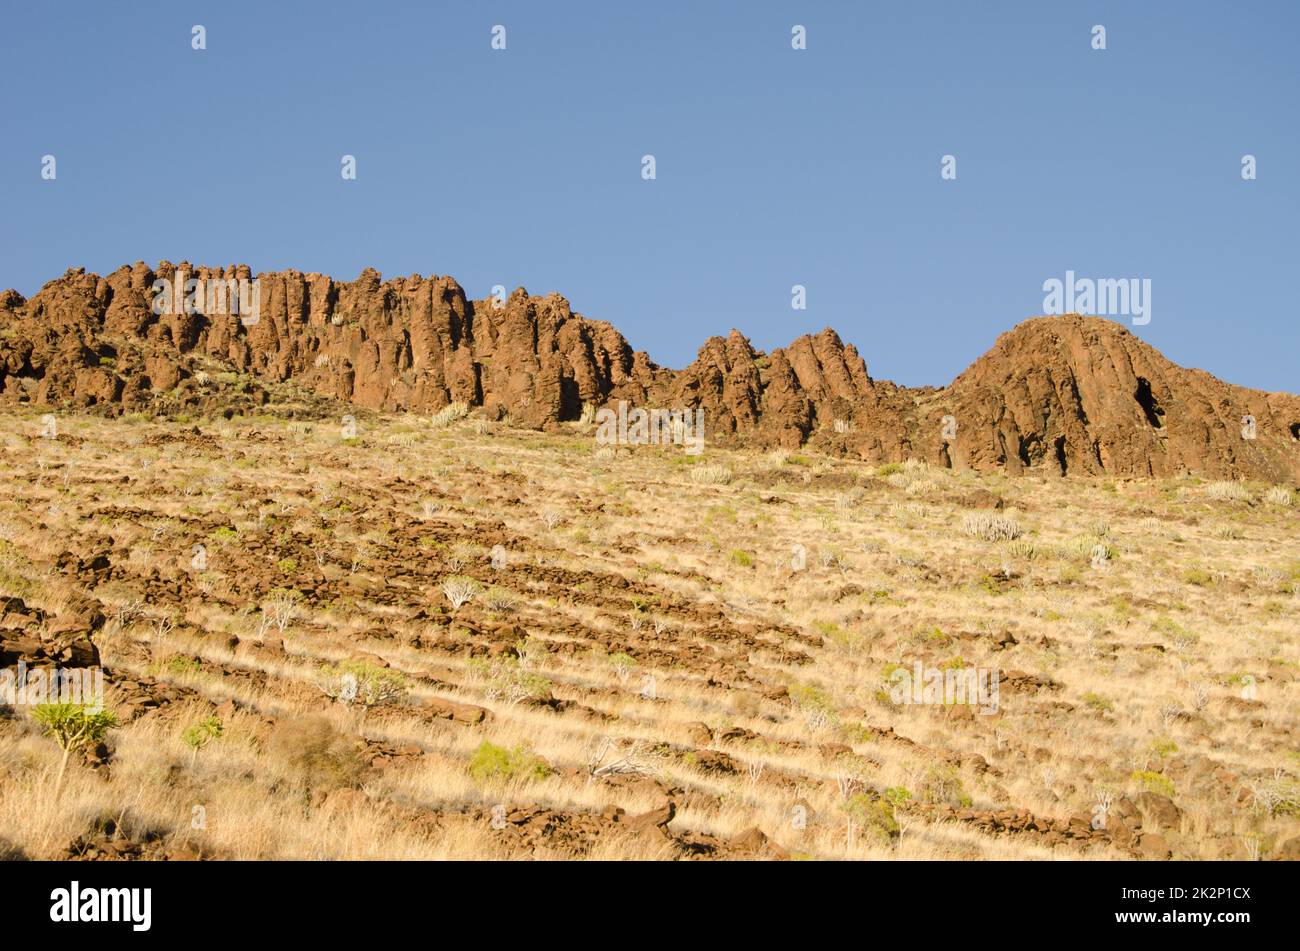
(1057, 395)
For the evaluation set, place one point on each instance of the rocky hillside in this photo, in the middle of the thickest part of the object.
(1057, 395)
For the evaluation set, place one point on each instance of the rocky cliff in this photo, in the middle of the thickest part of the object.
(1057, 395)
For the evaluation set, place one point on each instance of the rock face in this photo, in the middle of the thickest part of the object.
(1083, 395)
(1056, 395)
(29, 636)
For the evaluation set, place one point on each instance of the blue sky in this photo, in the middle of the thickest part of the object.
(775, 167)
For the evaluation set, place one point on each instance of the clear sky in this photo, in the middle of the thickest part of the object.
(774, 166)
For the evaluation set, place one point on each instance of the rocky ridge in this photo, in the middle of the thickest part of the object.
(1061, 395)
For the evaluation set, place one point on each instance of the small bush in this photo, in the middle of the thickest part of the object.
(492, 763)
(898, 795)
(1153, 782)
(810, 697)
(991, 527)
(623, 664)
(711, 475)
(1278, 496)
(200, 734)
(875, 817)
(1097, 702)
(1276, 795)
(1086, 547)
(72, 726)
(913, 477)
(1170, 628)
(460, 590)
(1022, 549)
(361, 683)
(500, 600)
(815, 706)
(1163, 748)
(509, 680)
(942, 785)
(316, 754)
(1227, 492)
(448, 415)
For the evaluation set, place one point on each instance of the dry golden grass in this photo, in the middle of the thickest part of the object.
(622, 599)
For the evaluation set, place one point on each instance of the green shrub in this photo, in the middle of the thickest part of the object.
(506, 679)
(991, 526)
(496, 763)
(1021, 548)
(1097, 702)
(875, 817)
(178, 665)
(1153, 782)
(200, 734)
(622, 663)
(898, 795)
(361, 683)
(449, 414)
(811, 697)
(1172, 629)
(72, 726)
(942, 785)
(1164, 747)
(836, 634)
